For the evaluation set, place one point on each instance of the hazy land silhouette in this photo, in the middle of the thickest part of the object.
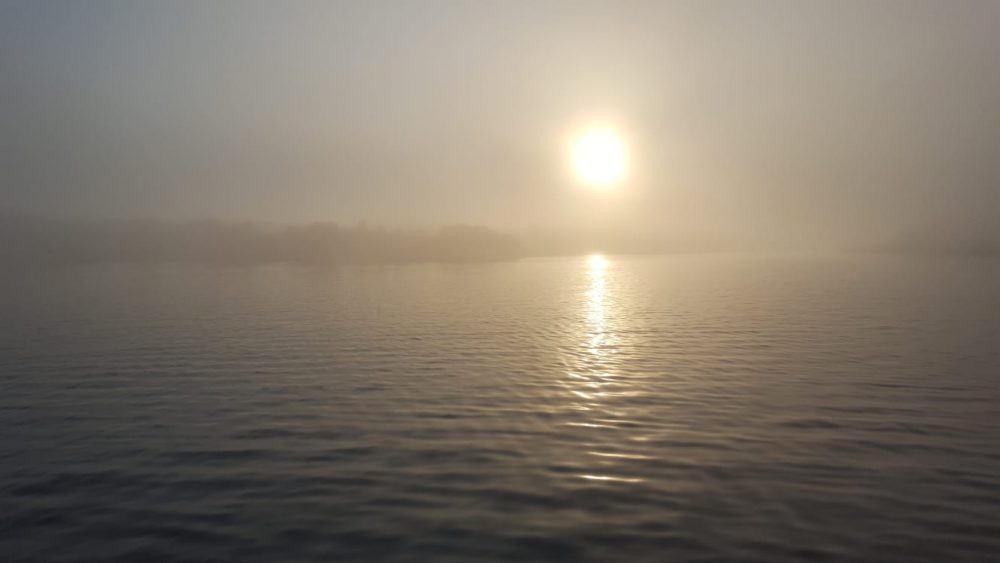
(31, 239)
(35, 239)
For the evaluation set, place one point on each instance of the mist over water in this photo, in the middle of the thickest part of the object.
(561, 280)
(685, 408)
(779, 125)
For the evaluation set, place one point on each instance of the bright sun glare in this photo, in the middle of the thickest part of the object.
(599, 157)
(597, 263)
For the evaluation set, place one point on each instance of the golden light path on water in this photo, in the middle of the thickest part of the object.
(595, 380)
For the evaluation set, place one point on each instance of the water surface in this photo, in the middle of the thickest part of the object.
(630, 408)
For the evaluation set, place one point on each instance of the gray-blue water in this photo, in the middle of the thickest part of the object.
(635, 409)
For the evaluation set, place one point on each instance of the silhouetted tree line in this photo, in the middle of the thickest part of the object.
(31, 239)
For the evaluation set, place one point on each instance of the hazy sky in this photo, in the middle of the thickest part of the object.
(799, 120)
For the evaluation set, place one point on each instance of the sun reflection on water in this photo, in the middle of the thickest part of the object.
(597, 267)
(594, 380)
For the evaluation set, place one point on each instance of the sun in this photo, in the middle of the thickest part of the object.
(599, 157)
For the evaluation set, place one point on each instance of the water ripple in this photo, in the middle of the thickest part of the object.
(685, 408)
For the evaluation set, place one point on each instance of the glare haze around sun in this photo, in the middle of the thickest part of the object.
(599, 158)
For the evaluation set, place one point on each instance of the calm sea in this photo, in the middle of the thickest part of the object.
(688, 408)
